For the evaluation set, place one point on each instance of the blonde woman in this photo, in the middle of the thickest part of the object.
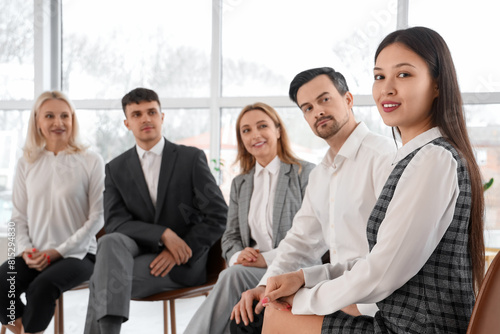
(57, 211)
(263, 201)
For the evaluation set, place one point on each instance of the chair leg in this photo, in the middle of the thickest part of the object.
(172, 316)
(165, 317)
(59, 316)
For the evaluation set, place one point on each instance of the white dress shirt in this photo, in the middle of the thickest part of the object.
(341, 193)
(260, 214)
(57, 203)
(151, 163)
(416, 219)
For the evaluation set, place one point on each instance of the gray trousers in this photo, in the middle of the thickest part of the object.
(212, 317)
(121, 272)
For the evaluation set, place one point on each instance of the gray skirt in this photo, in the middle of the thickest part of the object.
(340, 322)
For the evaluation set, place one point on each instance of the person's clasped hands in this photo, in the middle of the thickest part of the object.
(39, 260)
(176, 252)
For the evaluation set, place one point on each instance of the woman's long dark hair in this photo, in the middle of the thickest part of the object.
(447, 114)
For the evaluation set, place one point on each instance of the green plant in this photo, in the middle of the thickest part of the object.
(488, 184)
(216, 167)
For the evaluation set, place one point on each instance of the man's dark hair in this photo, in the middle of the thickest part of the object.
(139, 95)
(304, 77)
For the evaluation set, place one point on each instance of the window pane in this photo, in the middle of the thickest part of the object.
(163, 45)
(484, 130)
(468, 29)
(16, 51)
(105, 132)
(263, 49)
(13, 127)
(188, 127)
(371, 117)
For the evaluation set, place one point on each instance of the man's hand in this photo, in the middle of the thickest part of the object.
(177, 247)
(281, 289)
(162, 264)
(250, 257)
(243, 311)
(39, 260)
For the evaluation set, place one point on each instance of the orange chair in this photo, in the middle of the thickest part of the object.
(485, 317)
(215, 265)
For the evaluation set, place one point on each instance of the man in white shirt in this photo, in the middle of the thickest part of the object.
(163, 211)
(341, 193)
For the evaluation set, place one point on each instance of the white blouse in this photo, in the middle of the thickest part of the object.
(260, 214)
(417, 218)
(57, 203)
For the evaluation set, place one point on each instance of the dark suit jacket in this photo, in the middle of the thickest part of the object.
(188, 201)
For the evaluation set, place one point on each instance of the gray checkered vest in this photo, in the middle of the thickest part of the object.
(440, 297)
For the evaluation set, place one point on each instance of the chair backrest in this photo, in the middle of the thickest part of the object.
(215, 261)
(486, 313)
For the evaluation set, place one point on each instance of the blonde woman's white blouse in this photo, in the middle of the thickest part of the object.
(57, 203)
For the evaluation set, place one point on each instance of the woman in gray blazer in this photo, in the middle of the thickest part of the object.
(263, 201)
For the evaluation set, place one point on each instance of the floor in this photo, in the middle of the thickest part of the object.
(145, 317)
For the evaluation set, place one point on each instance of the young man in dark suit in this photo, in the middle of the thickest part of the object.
(163, 211)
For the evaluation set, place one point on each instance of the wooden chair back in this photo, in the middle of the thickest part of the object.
(486, 313)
